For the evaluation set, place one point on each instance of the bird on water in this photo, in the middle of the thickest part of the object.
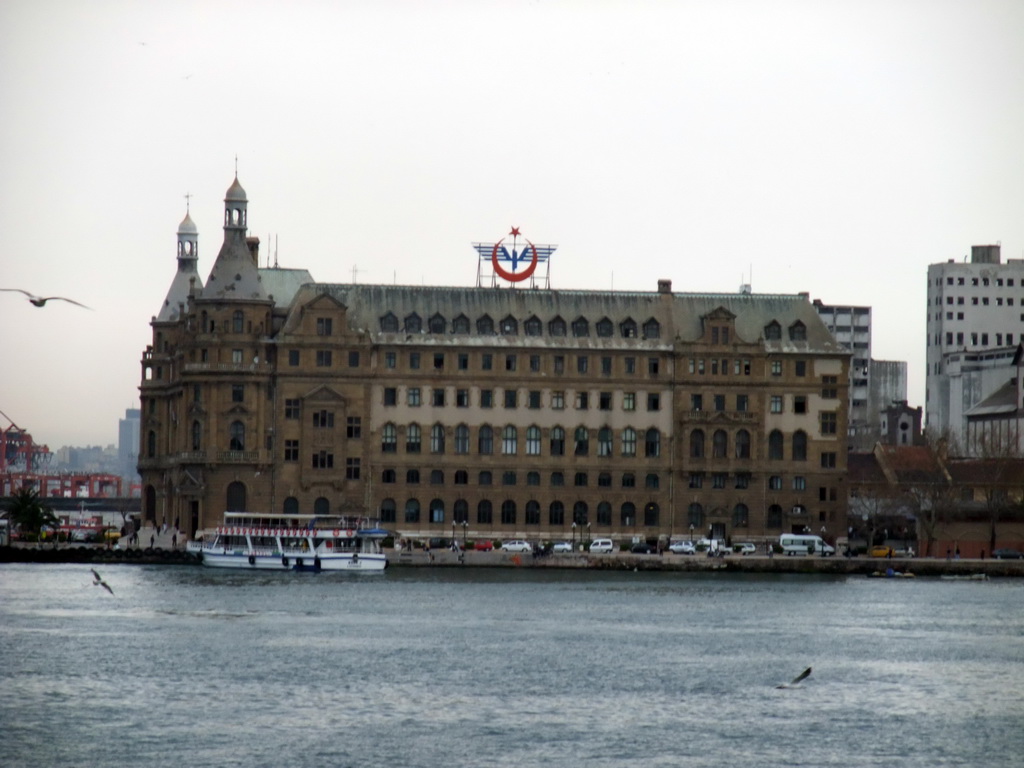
(796, 680)
(40, 301)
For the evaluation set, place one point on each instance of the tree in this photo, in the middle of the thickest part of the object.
(27, 512)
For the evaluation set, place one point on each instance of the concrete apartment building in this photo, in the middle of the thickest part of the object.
(874, 384)
(488, 411)
(975, 324)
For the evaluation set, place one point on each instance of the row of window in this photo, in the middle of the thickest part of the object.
(977, 300)
(509, 326)
(978, 339)
(511, 399)
(485, 478)
(510, 362)
(984, 281)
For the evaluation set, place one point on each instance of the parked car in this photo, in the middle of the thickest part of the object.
(643, 548)
(744, 549)
(483, 545)
(561, 547)
(682, 548)
(601, 546)
(882, 552)
(517, 545)
(1007, 554)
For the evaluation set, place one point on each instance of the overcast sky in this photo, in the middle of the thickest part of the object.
(836, 148)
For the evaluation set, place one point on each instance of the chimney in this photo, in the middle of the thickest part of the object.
(986, 254)
(664, 286)
(253, 244)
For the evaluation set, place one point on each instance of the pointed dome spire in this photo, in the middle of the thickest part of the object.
(235, 273)
(187, 274)
(187, 226)
(235, 191)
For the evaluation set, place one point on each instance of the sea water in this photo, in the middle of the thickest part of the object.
(183, 665)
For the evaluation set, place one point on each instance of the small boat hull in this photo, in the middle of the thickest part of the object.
(242, 561)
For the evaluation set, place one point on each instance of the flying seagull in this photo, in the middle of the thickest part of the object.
(796, 680)
(100, 582)
(40, 301)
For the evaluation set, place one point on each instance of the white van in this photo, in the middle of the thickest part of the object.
(797, 544)
(602, 546)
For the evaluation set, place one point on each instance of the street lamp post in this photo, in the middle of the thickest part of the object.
(455, 544)
(573, 535)
(588, 533)
(691, 533)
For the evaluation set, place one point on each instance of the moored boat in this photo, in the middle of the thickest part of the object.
(293, 543)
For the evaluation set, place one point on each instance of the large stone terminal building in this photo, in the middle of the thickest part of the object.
(494, 412)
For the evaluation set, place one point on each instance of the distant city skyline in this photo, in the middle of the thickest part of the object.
(834, 148)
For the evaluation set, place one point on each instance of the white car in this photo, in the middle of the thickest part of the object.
(517, 545)
(682, 548)
(744, 549)
(561, 547)
(602, 546)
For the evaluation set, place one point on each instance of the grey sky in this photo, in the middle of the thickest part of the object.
(829, 147)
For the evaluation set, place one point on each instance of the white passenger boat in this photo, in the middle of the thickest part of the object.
(293, 543)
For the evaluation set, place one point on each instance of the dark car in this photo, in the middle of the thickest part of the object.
(1007, 554)
(642, 549)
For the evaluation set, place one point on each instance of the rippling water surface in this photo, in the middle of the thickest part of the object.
(187, 666)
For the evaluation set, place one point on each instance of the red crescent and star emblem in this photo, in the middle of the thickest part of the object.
(515, 258)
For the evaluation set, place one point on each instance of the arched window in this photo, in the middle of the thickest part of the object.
(236, 440)
(651, 515)
(412, 511)
(388, 439)
(437, 477)
(413, 438)
(582, 441)
(652, 329)
(604, 441)
(628, 328)
(388, 509)
(533, 478)
(412, 477)
(580, 327)
(556, 327)
(321, 506)
(533, 326)
(290, 506)
(774, 517)
(652, 481)
(485, 441)
(388, 476)
(532, 513)
(697, 444)
(628, 480)
(743, 444)
(773, 331)
(460, 512)
(484, 478)
(580, 512)
(604, 513)
(557, 441)
(462, 439)
(461, 477)
(460, 324)
(719, 444)
(235, 497)
(436, 324)
(436, 511)
(627, 514)
(775, 444)
(485, 326)
(437, 439)
(605, 328)
(484, 513)
(556, 513)
(740, 516)
(389, 323)
(151, 444)
(533, 441)
(508, 512)
(695, 516)
(413, 324)
(557, 479)
(197, 436)
(798, 331)
(799, 445)
(652, 444)
(509, 441)
(629, 442)
(509, 326)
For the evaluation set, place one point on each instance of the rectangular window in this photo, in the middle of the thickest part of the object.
(352, 469)
(776, 367)
(292, 408)
(559, 364)
(486, 398)
(828, 422)
(463, 361)
(487, 361)
(828, 460)
(742, 403)
(799, 404)
(390, 396)
(629, 401)
(237, 393)
(605, 401)
(582, 363)
(582, 401)
(510, 398)
(439, 361)
(719, 402)
(236, 356)
(630, 365)
(696, 402)
(324, 326)
(323, 419)
(742, 480)
(323, 460)
(354, 428)
(606, 366)
(799, 483)
(437, 397)
(353, 359)
(653, 401)
(510, 362)
(800, 368)
(323, 358)
(462, 398)
(652, 366)
(414, 360)
(412, 396)
(390, 359)
(534, 363)
(533, 400)
(719, 480)
(293, 357)
(829, 387)
(291, 450)
(776, 404)
(557, 400)
(696, 479)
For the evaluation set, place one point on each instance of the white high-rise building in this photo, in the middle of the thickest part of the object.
(975, 322)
